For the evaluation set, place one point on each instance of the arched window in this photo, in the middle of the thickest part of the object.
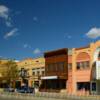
(83, 61)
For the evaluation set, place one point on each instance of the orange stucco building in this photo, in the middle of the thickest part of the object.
(82, 73)
(82, 69)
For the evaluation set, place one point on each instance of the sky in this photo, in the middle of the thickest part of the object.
(28, 28)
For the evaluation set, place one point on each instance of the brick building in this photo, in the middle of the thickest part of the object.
(79, 68)
(56, 73)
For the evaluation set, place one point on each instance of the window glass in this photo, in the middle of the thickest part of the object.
(94, 86)
(70, 66)
(38, 73)
(83, 65)
(83, 85)
(33, 73)
(42, 73)
(78, 65)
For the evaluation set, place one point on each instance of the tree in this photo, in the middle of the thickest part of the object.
(11, 72)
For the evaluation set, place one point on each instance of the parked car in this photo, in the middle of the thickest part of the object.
(9, 89)
(25, 89)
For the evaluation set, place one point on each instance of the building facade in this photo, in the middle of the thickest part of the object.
(82, 69)
(74, 71)
(30, 71)
(55, 70)
(84, 74)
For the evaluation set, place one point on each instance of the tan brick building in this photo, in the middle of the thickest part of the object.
(34, 69)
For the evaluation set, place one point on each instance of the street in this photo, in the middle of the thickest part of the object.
(35, 98)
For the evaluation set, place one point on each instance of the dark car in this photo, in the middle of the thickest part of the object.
(25, 89)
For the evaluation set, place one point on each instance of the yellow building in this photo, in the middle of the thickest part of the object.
(31, 70)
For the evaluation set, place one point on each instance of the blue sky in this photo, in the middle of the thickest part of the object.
(30, 27)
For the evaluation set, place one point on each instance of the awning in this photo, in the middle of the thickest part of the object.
(49, 77)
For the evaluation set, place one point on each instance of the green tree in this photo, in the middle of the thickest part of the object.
(11, 72)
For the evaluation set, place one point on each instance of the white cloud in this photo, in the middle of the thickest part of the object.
(35, 18)
(68, 36)
(11, 33)
(93, 33)
(8, 23)
(26, 45)
(5, 14)
(37, 51)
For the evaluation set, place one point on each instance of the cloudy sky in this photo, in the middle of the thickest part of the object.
(30, 27)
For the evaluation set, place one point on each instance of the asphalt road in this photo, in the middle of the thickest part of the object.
(35, 98)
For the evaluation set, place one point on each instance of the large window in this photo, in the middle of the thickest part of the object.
(38, 71)
(83, 65)
(23, 72)
(61, 66)
(83, 85)
(93, 86)
(56, 67)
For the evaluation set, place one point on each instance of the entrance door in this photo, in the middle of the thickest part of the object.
(18, 84)
(93, 87)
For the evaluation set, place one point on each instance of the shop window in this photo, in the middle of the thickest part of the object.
(93, 86)
(83, 85)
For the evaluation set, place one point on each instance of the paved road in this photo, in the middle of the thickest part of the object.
(35, 98)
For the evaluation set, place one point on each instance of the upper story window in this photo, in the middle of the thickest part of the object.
(70, 66)
(43, 73)
(78, 65)
(33, 73)
(59, 66)
(23, 72)
(38, 73)
(83, 65)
